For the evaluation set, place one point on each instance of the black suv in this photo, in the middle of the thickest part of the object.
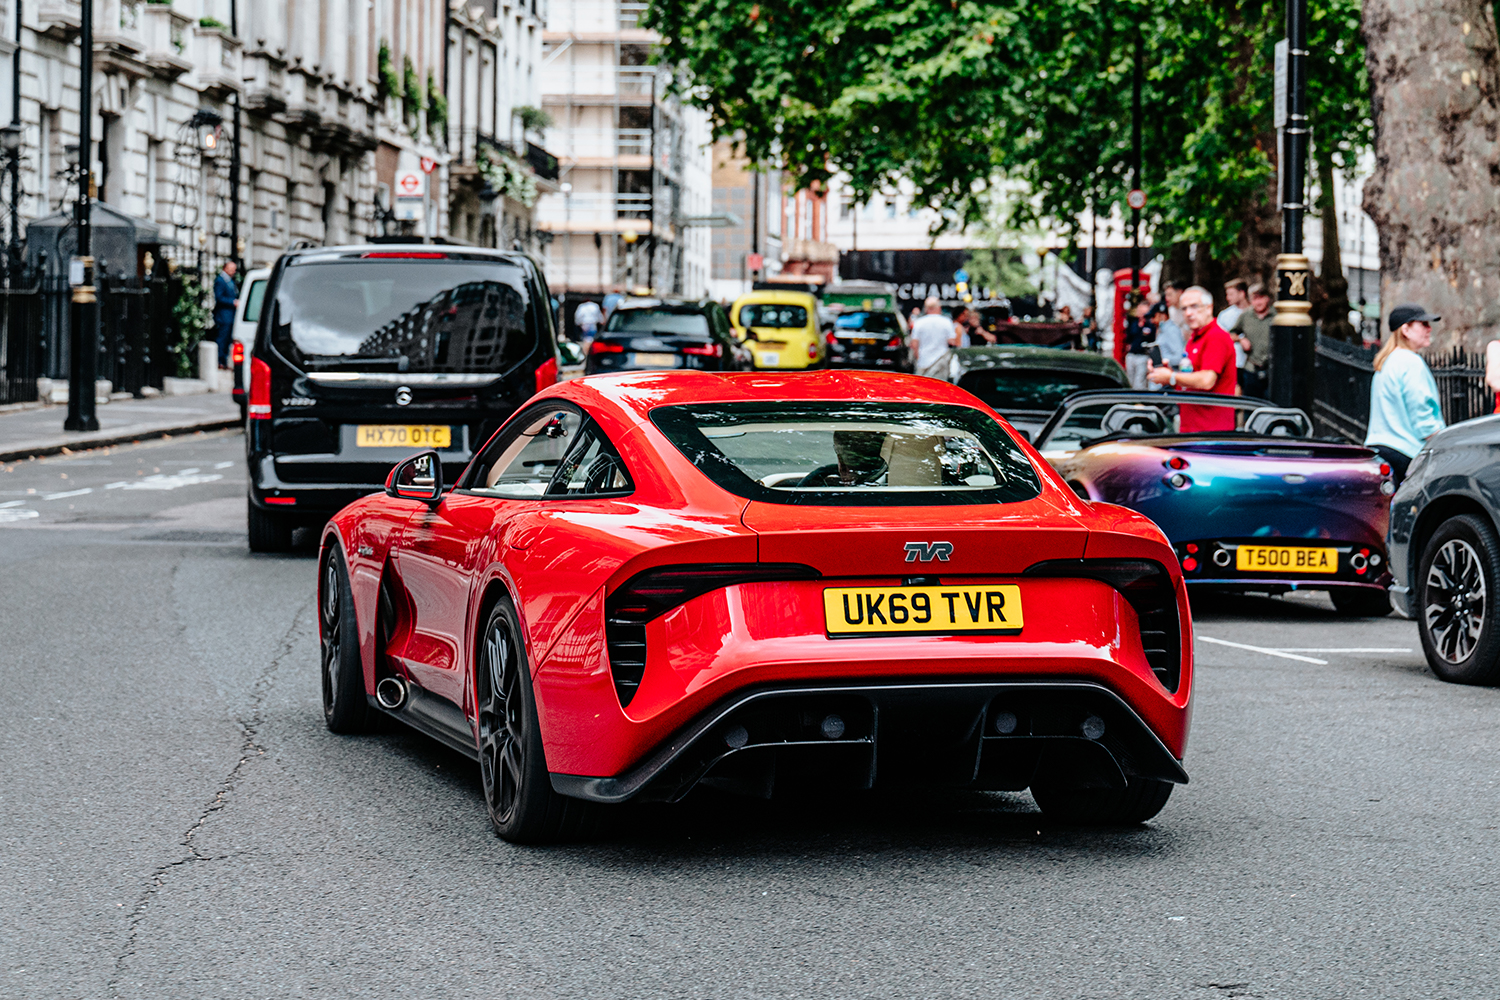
(364, 354)
(861, 339)
(650, 333)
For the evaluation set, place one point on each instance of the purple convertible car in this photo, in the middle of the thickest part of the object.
(1265, 507)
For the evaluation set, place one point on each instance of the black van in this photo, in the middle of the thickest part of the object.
(365, 354)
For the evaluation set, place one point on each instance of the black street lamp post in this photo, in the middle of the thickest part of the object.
(84, 325)
(1292, 343)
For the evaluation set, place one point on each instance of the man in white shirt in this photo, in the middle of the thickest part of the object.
(1236, 292)
(932, 338)
(587, 318)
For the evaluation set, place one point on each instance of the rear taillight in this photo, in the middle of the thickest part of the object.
(705, 351)
(656, 591)
(812, 351)
(546, 374)
(1146, 585)
(403, 255)
(605, 347)
(894, 343)
(237, 353)
(831, 339)
(259, 407)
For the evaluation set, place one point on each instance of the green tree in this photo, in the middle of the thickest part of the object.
(952, 94)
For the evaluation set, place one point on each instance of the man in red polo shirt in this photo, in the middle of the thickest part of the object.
(1212, 355)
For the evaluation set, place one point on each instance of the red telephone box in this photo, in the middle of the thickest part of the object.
(1122, 294)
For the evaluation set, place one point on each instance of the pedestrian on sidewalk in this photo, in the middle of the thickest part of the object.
(1404, 408)
(933, 338)
(1140, 335)
(1236, 294)
(587, 318)
(226, 293)
(1252, 334)
(1211, 355)
(1171, 327)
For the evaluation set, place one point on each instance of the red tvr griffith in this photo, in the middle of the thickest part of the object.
(651, 581)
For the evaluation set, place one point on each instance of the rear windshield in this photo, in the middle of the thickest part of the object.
(253, 297)
(870, 322)
(1030, 390)
(851, 453)
(669, 321)
(404, 316)
(777, 317)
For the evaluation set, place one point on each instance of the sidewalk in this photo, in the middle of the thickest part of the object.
(29, 433)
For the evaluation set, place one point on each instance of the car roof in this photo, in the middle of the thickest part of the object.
(641, 392)
(1027, 356)
(355, 251)
(777, 298)
(669, 303)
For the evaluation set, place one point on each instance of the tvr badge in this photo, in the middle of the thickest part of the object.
(928, 551)
(403, 395)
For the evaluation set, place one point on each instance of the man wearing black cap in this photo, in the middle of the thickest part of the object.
(1404, 408)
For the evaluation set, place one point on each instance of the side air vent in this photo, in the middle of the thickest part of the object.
(1148, 587)
(654, 592)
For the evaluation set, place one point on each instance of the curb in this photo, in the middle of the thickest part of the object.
(108, 440)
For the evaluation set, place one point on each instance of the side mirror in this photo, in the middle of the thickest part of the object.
(417, 478)
(571, 353)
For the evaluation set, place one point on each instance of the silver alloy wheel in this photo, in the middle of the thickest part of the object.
(1455, 598)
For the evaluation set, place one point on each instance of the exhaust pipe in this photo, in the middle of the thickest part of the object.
(390, 692)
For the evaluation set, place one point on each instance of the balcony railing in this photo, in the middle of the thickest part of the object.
(579, 208)
(630, 14)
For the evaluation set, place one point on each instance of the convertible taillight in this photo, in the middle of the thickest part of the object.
(1147, 586)
(656, 591)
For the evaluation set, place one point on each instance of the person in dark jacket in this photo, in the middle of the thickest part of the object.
(225, 294)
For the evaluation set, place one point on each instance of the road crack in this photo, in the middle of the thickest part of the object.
(251, 748)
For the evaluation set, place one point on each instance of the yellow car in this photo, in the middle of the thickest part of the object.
(780, 328)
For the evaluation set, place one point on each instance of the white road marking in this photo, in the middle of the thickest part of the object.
(163, 481)
(11, 514)
(188, 472)
(115, 486)
(1343, 649)
(12, 503)
(223, 465)
(1262, 649)
(69, 493)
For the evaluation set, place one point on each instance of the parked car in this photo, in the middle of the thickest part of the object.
(364, 354)
(769, 565)
(652, 333)
(780, 328)
(246, 317)
(1445, 552)
(868, 339)
(1265, 507)
(1026, 385)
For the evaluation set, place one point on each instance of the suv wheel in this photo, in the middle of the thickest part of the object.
(268, 532)
(1456, 608)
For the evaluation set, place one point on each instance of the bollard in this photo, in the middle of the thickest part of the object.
(208, 364)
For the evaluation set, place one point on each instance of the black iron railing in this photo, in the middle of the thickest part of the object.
(1341, 404)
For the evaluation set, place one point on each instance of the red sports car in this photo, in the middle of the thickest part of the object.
(651, 581)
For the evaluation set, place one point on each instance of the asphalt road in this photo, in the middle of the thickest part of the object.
(176, 822)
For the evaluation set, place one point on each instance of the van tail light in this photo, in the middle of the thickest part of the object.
(812, 352)
(606, 347)
(705, 351)
(1147, 587)
(237, 353)
(657, 591)
(546, 374)
(259, 407)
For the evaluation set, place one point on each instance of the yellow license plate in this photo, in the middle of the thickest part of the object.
(403, 436)
(1285, 559)
(922, 610)
(656, 360)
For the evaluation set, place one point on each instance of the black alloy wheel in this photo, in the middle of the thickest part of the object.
(345, 709)
(1455, 614)
(517, 789)
(1139, 801)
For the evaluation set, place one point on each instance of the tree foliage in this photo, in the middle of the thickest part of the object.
(950, 95)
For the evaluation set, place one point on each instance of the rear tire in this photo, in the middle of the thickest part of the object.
(345, 708)
(1140, 800)
(1456, 608)
(518, 791)
(1361, 603)
(268, 532)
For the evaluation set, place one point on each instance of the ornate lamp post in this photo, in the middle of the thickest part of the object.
(84, 325)
(1292, 343)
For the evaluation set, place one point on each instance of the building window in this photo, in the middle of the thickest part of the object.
(153, 177)
(890, 208)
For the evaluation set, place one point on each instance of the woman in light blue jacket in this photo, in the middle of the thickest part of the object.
(1404, 408)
